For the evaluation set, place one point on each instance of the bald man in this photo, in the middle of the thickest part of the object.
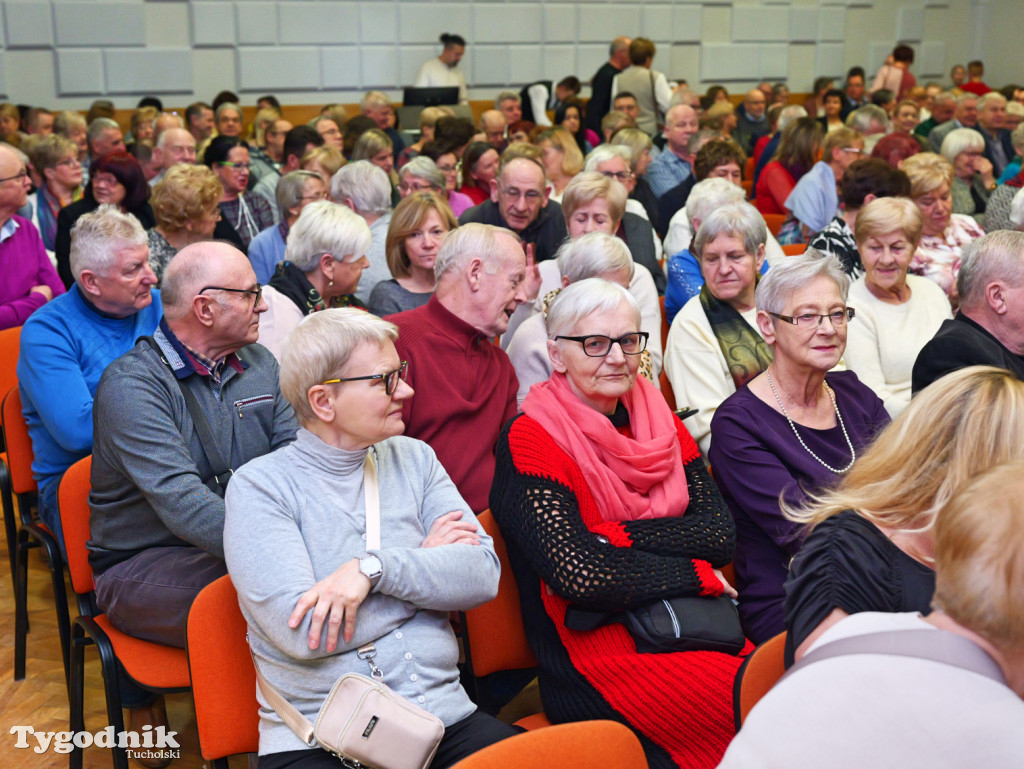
(751, 120)
(492, 126)
(204, 399)
(601, 85)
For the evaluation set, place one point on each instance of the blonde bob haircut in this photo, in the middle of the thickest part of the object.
(590, 186)
(330, 158)
(51, 150)
(322, 228)
(841, 138)
(185, 194)
(927, 172)
(959, 426)
(564, 142)
(884, 215)
(319, 348)
(408, 217)
(636, 140)
(370, 142)
(979, 556)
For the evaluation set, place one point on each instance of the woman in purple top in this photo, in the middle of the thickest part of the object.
(791, 429)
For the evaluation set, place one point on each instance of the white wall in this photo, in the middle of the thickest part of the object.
(65, 53)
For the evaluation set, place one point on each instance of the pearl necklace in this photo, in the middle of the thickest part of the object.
(832, 395)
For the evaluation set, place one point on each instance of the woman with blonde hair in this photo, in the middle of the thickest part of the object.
(428, 120)
(943, 233)
(142, 124)
(186, 206)
(897, 313)
(562, 159)
(870, 540)
(376, 146)
(324, 161)
(418, 227)
(639, 145)
(55, 159)
(797, 152)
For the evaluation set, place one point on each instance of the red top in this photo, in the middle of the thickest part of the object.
(760, 145)
(477, 194)
(976, 88)
(773, 187)
(465, 391)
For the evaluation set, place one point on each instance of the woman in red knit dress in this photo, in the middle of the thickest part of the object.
(605, 504)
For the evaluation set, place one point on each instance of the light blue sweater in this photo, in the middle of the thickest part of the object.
(295, 516)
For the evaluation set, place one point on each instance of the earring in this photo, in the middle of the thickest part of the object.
(330, 283)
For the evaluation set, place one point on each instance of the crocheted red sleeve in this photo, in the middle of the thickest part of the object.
(543, 504)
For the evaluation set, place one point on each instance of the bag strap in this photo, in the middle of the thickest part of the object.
(222, 471)
(295, 721)
(935, 645)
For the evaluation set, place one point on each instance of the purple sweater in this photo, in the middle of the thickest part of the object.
(755, 458)
(24, 264)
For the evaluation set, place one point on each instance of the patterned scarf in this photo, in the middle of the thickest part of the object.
(290, 281)
(745, 351)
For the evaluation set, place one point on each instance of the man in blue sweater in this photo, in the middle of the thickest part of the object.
(67, 343)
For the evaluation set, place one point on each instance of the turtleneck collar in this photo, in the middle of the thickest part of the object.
(331, 459)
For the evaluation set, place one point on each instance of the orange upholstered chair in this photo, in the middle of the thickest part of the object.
(10, 345)
(152, 666)
(581, 745)
(774, 222)
(748, 170)
(794, 249)
(32, 533)
(223, 678)
(495, 639)
(759, 673)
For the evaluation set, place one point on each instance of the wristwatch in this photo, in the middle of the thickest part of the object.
(370, 567)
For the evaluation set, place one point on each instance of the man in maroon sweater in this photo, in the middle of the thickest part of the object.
(465, 385)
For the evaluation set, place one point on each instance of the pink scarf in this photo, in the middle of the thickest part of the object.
(630, 478)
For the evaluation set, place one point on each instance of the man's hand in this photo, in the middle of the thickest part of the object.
(336, 599)
(531, 284)
(46, 291)
(449, 530)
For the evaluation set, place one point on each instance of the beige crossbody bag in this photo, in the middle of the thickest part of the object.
(362, 721)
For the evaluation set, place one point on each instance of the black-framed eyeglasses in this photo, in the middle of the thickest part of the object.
(390, 378)
(19, 177)
(619, 176)
(838, 318)
(598, 345)
(258, 292)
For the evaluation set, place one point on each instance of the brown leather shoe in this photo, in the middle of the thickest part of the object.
(154, 714)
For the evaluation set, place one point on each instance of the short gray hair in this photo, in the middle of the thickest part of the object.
(507, 96)
(862, 117)
(324, 227)
(374, 99)
(602, 153)
(945, 97)
(788, 114)
(98, 126)
(740, 220)
(998, 255)
(990, 97)
(1017, 209)
(795, 272)
(290, 188)
(961, 140)
(593, 254)
(578, 300)
(469, 240)
(366, 185)
(709, 194)
(319, 347)
(98, 236)
(426, 169)
(228, 105)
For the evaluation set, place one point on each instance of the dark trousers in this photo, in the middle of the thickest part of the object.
(149, 595)
(460, 740)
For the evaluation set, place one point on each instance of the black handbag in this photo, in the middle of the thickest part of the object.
(691, 623)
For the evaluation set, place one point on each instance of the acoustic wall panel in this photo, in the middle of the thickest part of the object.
(80, 72)
(424, 22)
(500, 23)
(829, 61)
(213, 23)
(293, 68)
(559, 61)
(657, 23)
(378, 22)
(760, 23)
(687, 23)
(28, 25)
(803, 25)
(932, 63)
(340, 67)
(256, 22)
(910, 26)
(560, 23)
(309, 23)
(149, 70)
(379, 66)
(100, 24)
(605, 23)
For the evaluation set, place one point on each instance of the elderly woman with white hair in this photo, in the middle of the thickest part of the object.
(639, 144)
(336, 586)
(997, 212)
(324, 258)
(595, 203)
(295, 191)
(897, 313)
(594, 255)
(973, 175)
(420, 174)
(794, 428)
(713, 346)
(684, 274)
(365, 189)
(605, 506)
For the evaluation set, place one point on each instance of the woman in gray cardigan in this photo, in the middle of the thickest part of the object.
(295, 539)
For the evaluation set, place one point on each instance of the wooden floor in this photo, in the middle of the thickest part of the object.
(41, 701)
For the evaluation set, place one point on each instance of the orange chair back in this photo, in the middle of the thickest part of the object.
(760, 672)
(581, 745)
(19, 445)
(497, 638)
(748, 170)
(223, 678)
(794, 249)
(73, 500)
(774, 222)
(10, 346)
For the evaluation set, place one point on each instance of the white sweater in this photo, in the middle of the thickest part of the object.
(884, 339)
